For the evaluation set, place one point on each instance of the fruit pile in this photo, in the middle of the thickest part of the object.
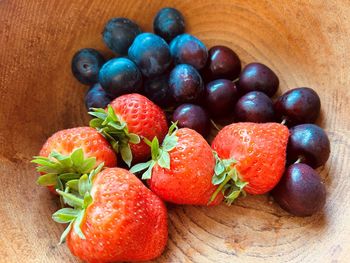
(169, 78)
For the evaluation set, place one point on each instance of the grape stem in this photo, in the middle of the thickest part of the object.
(300, 159)
(214, 125)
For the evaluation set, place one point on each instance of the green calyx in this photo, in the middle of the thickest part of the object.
(227, 178)
(160, 154)
(59, 168)
(77, 195)
(115, 131)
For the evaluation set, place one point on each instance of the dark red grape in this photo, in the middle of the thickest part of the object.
(192, 116)
(96, 97)
(258, 77)
(120, 76)
(168, 23)
(223, 63)
(157, 90)
(187, 49)
(297, 106)
(185, 83)
(254, 106)
(310, 143)
(151, 54)
(300, 191)
(220, 97)
(119, 33)
(86, 64)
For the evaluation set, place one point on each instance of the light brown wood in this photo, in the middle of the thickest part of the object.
(305, 42)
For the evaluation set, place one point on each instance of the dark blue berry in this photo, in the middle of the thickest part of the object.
(187, 49)
(96, 97)
(151, 54)
(185, 83)
(157, 90)
(120, 76)
(169, 23)
(86, 64)
(119, 33)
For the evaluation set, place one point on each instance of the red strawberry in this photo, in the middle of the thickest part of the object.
(62, 157)
(128, 118)
(181, 169)
(258, 157)
(116, 218)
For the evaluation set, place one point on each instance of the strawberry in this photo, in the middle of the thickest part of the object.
(181, 169)
(252, 157)
(62, 157)
(114, 218)
(127, 119)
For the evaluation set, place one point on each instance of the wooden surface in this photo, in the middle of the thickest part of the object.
(305, 42)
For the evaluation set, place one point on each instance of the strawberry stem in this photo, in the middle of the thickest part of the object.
(217, 191)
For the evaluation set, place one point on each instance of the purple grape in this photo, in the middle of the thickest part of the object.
(254, 106)
(223, 63)
(258, 77)
(310, 143)
(192, 116)
(297, 106)
(220, 97)
(300, 191)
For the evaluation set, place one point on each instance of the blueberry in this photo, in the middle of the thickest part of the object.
(310, 143)
(223, 63)
(151, 54)
(120, 76)
(254, 106)
(220, 97)
(258, 77)
(192, 116)
(169, 23)
(300, 190)
(185, 83)
(187, 49)
(157, 90)
(119, 33)
(297, 106)
(86, 64)
(96, 97)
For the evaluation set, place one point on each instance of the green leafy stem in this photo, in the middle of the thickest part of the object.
(227, 178)
(77, 195)
(115, 131)
(59, 169)
(160, 154)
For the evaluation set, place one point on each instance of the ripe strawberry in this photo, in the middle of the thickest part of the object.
(253, 157)
(181, 169)
(125, 120)
(114, 218)
(62, 156)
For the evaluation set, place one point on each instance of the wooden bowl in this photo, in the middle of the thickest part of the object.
(305, 43)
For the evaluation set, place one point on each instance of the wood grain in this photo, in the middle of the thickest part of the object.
(305, 42)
